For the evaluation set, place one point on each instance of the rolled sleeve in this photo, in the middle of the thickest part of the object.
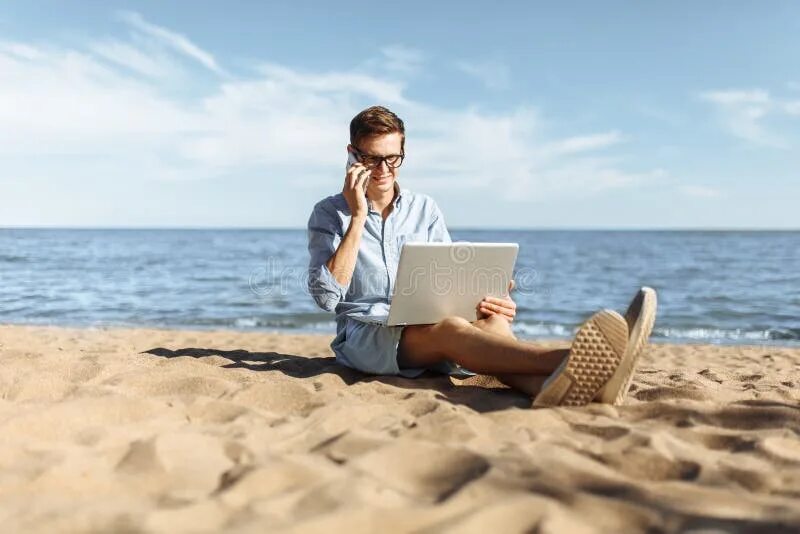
(437, 229)
(324, 236)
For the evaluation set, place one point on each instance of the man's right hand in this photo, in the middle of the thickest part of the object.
(353, 191)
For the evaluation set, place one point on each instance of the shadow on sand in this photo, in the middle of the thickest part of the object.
(478, 397)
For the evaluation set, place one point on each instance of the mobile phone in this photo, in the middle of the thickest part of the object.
(352, 159)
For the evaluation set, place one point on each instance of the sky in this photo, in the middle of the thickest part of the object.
(612, 115)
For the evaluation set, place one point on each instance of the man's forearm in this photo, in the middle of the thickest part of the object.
(343, 262)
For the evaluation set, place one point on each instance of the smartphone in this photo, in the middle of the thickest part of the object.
(352, 159)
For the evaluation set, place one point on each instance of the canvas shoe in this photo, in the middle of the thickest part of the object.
(640, 316)
(594, 356)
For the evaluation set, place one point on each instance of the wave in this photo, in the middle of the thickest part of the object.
(674, 334)
(735, 334)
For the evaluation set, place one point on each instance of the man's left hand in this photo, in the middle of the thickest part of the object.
(504, 307)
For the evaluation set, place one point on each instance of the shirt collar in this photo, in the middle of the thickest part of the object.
(398, 194)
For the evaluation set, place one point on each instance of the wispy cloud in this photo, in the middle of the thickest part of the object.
(176, 41)
(744, 112)
(585, 143)
(402, 59)
(493, 73)
(130, 57)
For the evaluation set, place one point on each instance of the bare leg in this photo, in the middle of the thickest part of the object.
(478, 349)
(529, 384)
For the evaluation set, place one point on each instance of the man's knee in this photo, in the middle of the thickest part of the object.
(453, 325)
(496, 324)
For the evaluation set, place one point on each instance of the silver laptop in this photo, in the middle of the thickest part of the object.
(437, 280)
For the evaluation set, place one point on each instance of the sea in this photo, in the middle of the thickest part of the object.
(718, 287)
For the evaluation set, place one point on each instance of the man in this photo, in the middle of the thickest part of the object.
(354, 240)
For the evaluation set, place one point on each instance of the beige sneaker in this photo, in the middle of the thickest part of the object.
(593, 358)
(641, 316)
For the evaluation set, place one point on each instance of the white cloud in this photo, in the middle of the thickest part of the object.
(130, 57)
(744, 112)
(700, 191)
(402, 59)
(494, 74)
(586, 143)
(345, 82)
(178, 42)
(736, 97)
(792, 107)
(21, 51)
(106, 111)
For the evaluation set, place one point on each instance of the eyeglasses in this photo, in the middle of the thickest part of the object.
(371, 162)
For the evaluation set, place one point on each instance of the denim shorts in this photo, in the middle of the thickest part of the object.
(372, 349)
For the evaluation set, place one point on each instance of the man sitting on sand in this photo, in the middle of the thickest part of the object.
(354, 239)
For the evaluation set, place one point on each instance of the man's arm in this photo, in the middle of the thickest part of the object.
(343, 262)
(333, 255)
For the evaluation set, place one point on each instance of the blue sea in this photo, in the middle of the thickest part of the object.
(714, 286)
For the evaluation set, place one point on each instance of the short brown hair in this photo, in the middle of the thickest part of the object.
(376, 120)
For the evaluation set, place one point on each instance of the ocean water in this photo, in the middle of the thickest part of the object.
(718, 287)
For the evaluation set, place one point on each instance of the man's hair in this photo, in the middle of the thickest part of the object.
(376, 120)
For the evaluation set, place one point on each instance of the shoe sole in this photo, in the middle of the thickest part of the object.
(617, 388)
(594, 356)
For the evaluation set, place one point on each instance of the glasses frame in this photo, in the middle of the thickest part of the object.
(380, 159)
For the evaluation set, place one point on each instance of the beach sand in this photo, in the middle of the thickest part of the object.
(130, 430)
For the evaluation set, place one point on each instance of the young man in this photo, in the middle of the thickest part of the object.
(354, 240)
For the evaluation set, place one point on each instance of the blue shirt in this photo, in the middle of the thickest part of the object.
(362, 306)
(414, 217)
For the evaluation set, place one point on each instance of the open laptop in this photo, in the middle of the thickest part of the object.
(437, 280)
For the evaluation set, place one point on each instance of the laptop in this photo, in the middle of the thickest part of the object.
(437, 280)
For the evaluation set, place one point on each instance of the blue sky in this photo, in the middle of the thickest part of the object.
(518, 114)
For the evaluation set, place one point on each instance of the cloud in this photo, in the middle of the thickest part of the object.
(402, 59)
(132, 58)
(738, 97)
(494, 74)
(744, 112)
(176, 41)
(792, 107)
(700, 191)
(21, 51)
(585, 143)
(104, 110)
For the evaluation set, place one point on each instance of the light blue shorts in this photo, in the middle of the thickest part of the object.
(372, 349)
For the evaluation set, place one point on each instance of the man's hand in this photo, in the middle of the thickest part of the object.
(354, 193)
(506, 308)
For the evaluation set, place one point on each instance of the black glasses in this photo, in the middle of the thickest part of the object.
(371, 162)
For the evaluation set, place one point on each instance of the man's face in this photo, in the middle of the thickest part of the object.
(382, 177)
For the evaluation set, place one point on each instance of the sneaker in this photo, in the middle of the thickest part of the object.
(641, 316)
(594, 356)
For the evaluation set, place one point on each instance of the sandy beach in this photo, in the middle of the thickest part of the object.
(135, 430)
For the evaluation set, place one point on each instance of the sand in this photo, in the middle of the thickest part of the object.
(122, 430)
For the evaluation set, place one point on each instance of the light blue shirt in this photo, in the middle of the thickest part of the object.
(414, 217)
(362, 340)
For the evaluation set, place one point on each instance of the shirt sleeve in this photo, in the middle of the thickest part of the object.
(437, 229)
(324, 236)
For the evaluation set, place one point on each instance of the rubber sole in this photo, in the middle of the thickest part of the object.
(594, 356)
(640, 316)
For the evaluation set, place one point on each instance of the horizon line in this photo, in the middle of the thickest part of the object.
(450, 228)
